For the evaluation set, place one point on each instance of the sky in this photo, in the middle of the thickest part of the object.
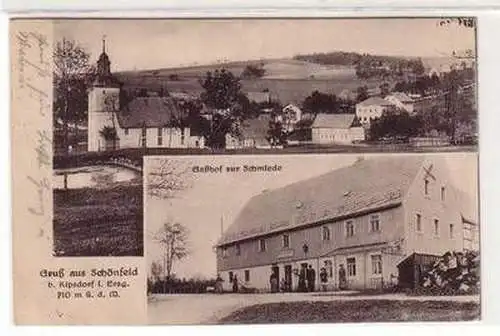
(152, 44)
(213, 199)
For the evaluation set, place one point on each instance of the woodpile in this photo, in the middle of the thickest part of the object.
(453, 274)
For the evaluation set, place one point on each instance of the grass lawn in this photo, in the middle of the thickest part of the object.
(99, 222)
(355, 311)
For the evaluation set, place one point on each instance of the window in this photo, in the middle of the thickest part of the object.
(224, 252)
(376, 264)
(374, 223)
(325, 233)
(349, 228)
(443, 193)
(351, 267)
(286, 241)
(238, 249)
(160, 136)
(452, 234)
(262, 245)
(426, 187)
(230, 276)
(436, 227)
(125, 131)
(419, 223)
(247, 276)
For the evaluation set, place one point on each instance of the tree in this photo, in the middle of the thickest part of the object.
(166, 178)
(71, 76)
(222, 92)
(156, 270)
(319, 102)
(362, 93)
(109, 134)
(276, 135)
(384, 89)
(395, 124)
(173, 240)
(253, 71)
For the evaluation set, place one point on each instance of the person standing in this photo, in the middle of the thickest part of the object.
(311, 278)
(342, 278)
(218, 284)
(302, 279)
(273, 280)
(323, 277)
(235, 284)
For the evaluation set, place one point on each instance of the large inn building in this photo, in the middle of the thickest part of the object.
(367, 217)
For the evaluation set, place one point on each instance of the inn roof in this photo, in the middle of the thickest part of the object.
(365, 186)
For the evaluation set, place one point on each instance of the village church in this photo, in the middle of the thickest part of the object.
(144, 122)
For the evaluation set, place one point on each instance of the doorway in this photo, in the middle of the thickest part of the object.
(288, 278)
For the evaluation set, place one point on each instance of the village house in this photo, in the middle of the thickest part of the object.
(253, 134)
(364, 218)
(372, 108)
(402, 101)
(336, 128)
(150, 121)
(291, 115)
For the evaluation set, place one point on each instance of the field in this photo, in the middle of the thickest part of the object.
(289, 80)
(355, 311)
(99, 222)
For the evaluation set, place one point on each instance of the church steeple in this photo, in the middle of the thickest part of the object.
(104, 76)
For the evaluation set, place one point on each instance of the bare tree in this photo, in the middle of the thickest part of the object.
(71, 74)
(156, 270)
(173, 239)
(167, 177)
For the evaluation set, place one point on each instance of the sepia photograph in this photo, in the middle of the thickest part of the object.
(336, 238)
(127, 88)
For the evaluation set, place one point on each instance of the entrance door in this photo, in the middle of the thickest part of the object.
(288, 278)
(276, 272)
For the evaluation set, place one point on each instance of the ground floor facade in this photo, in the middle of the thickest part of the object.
(337, 135)
(350, 269)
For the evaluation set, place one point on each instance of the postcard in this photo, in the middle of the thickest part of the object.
(133, 135)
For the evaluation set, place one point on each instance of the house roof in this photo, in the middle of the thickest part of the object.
(323, 120)
(375, 101)
(148, 112)
(365, 186)
(402, 97)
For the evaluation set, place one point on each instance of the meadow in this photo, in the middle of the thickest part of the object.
(290, 81)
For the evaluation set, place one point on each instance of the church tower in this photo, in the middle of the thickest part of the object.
(103, 103)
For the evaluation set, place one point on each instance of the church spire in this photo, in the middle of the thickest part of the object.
(104, 76)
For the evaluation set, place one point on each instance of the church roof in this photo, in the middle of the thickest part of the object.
(367, 185)
(149, 112)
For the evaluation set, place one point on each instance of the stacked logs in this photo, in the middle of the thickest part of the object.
(453, 274)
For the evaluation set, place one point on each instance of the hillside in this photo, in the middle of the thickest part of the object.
(289, 80)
